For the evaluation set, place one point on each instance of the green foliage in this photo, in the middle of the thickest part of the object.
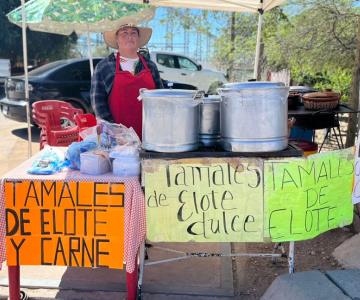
(195, 20)
(321, 35)
(315, 40)
(317, 44)
(338, 80)
(41, 46)
(237, 55)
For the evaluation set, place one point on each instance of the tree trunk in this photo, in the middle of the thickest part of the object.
(354, 95)
(261, 61)
(232, 47)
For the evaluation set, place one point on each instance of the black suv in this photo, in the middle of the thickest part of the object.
(67, 80)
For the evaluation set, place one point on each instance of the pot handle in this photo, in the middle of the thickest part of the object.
(199, 96)
(140, 91)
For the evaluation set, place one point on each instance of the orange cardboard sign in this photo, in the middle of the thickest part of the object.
(78, 224)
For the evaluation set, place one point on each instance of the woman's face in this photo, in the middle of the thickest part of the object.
(128, 39)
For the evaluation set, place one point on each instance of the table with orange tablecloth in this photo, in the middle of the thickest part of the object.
(134, 216)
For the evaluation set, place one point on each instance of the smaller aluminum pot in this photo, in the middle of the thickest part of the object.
(209, 134)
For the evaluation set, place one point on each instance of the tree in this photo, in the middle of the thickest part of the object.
(322, 36)
(354, 95)
(319, 46)
(41, 46)
(235, 47)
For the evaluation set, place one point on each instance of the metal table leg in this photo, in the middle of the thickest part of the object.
(291, 258)
(141, 269)
(326, 136)
(338, 137)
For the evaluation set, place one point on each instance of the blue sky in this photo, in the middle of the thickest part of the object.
(158, 39)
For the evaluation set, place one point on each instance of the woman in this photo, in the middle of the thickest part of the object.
(115, 87)
(118, 77)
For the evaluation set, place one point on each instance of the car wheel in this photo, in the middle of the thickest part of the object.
(214, 86)
(68, 123)
(77, 105)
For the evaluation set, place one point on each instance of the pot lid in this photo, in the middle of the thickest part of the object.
(170, 93)
(322, 95)
(301, 89)
(253, 85)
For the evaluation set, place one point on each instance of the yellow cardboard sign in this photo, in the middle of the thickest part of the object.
(65, 223)
(204, 200)
(305, 197)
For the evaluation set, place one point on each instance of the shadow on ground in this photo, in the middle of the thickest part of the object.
(23, 133)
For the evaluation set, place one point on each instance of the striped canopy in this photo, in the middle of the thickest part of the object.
(80, 16)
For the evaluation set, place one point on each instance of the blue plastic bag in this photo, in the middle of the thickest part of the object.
(74, 150)
(49, 162)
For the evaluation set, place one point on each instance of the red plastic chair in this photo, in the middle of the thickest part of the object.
(50, 115)
(84, 121)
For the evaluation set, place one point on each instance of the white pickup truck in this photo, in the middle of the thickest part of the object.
(4, 72)
(182, 69)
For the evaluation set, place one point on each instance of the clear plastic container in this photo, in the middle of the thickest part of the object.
(94, 164)
(126, 166)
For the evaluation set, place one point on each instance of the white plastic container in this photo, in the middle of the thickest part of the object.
(94, 164)
(126, 166)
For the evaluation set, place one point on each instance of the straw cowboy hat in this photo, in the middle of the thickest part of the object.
(110, 37)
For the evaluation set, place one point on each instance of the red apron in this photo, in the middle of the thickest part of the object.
(124, 105)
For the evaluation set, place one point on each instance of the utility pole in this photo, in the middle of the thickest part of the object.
(198, 46)
(230, 70)
(208, 47)
(169, 31)
(186, 41)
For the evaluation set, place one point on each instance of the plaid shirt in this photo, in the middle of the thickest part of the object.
(102, 81)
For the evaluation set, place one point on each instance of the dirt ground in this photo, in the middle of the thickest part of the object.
(254, 275)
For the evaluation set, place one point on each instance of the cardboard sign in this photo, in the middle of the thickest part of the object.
(203, 200)
(305, 197)
(65, 223)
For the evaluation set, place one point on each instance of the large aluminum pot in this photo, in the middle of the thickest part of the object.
(210, 121)
(170, 120)
(254, 116)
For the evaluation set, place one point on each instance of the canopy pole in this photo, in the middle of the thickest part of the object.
(25, 62)
(89, 52)
(258, 44)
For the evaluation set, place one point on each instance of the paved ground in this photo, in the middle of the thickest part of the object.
(315, 285)
(13, 143)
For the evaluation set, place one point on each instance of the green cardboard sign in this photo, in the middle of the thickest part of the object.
(305, 197)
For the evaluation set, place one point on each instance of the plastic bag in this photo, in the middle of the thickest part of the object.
(111, 135)
(125, 150)
(119, 134)
(49, 162)
(74, 151)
